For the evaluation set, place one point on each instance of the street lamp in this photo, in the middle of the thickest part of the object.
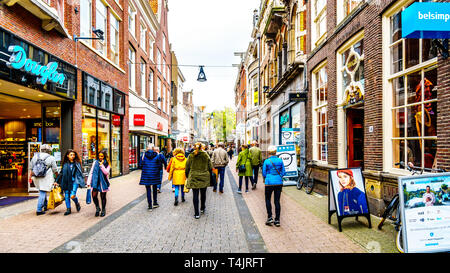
(201, 75)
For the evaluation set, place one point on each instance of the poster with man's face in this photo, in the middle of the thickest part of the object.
(349, 192)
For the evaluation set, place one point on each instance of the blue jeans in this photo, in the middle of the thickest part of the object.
(42, 201)
(221, 173)
(161, 175)
(255, 174)
(149, 194)
(177, 191)
(69, 193)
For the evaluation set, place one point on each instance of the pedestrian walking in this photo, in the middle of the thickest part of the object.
(273, 171)
(98, 180)
(230, 152)
(256, 156)
(177, 173)
(70, 179)
(151, 175)
(244, 167)
(43, 172)
(162, 158)
(220, 161)
(198, 173)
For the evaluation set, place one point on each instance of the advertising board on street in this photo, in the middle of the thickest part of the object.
(425, 209)
(287, 153)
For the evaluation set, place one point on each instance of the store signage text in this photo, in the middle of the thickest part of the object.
(116, 120)
(159, 126)
(18, 60)
(426, 20)
(139, 120)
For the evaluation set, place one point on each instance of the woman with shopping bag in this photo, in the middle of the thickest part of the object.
(98, 180)
(71, 178)
(177, 173)
(43, 183)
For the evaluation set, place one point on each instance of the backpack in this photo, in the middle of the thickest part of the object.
(40, 168)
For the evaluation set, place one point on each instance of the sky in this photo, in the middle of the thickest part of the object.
(208, 32)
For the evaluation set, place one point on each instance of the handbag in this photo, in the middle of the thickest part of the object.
(88, 196)
(242, 167)
(213, 178)
(185, 189)
(55, 198)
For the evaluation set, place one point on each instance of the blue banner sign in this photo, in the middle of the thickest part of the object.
(18, 60)
(426, 20)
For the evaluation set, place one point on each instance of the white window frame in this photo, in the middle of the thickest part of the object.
(158, 61)
(143, 38)
(143, 79)
(132, 19)
(322, 67)
(318, 15)
(115, 36)
(150, 84)
(132, 68)
(101, 10)
(340, 9)
(86, 20)
(388, 77)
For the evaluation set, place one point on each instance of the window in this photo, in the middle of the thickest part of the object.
(132, 19)
(131, 69)
(150, 85)
(352, 73)
(412, 84)
(319, 21)
(158, 61)
(114, 39)
(86, 19)
(151, 45)
(320, 119)
(164, 43)
(158, 95)
(300, 32)
(100, 19)
(163, 68)
(143, 38)
(143, 79)
(345, 7)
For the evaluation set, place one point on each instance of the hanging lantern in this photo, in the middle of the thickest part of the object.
(201, 75)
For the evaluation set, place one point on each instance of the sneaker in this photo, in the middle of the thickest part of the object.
(155, 205)
(239, 191)
(254, 186)
(269, 221)
(197, 216)
(40, 212)
(150, 208)
(202, 211)
(68, 211)
(277, 223)
(246, 190)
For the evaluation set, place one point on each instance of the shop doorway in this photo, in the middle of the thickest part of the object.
(355, 137)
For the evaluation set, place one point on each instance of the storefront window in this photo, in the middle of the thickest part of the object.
(133, 154)
(52, 124)
(414, 106)
(89, 138)
(116, 144)
(103, 130)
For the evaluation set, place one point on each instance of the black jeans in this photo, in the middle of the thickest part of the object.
(195, 193)
(246, 181)
(149, 194)
(255, 174)
(276, 199)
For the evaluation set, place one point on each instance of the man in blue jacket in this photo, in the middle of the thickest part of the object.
(273, 171)
(151, 175)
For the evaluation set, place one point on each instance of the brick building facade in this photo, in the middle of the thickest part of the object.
(367, 89)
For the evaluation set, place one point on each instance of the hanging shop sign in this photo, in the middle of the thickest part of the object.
(354, 92)
(19, 60)
(297, 96)
(425, 210)
(288, 154)
(426, 20)
(139, 120)
(116, 120)
(347, 196)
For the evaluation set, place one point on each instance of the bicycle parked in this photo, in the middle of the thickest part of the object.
(392, 211)
(304, 178)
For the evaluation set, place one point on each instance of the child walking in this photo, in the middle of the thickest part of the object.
(99, 181)
(71, 178)
(177, 173)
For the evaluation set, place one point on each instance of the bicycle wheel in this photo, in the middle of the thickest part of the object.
(399, 241)
(389, 210)
(309, 185)
(300, 180)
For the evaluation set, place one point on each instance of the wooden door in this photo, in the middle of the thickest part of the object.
(355, 138)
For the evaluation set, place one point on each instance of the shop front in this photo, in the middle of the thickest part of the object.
(37, 93)
(102, 118)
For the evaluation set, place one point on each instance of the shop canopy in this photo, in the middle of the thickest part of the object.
(426, 20)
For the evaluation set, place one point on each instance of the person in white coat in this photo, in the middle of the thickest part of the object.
(45, 183)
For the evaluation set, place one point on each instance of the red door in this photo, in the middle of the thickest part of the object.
(355, 138)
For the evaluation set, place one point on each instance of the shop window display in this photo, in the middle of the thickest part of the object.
(116, 144)
(414, 104)
(89, 138)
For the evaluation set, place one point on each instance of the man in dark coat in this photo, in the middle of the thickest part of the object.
(151, 176)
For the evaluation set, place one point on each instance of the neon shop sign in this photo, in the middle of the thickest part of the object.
(44, 73)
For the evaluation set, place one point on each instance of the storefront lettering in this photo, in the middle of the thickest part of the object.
(18, 60)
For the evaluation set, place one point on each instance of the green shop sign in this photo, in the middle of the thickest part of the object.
(18, 60)
(284, 119)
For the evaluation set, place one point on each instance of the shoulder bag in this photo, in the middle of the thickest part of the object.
(275, 168)
(242, 166)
